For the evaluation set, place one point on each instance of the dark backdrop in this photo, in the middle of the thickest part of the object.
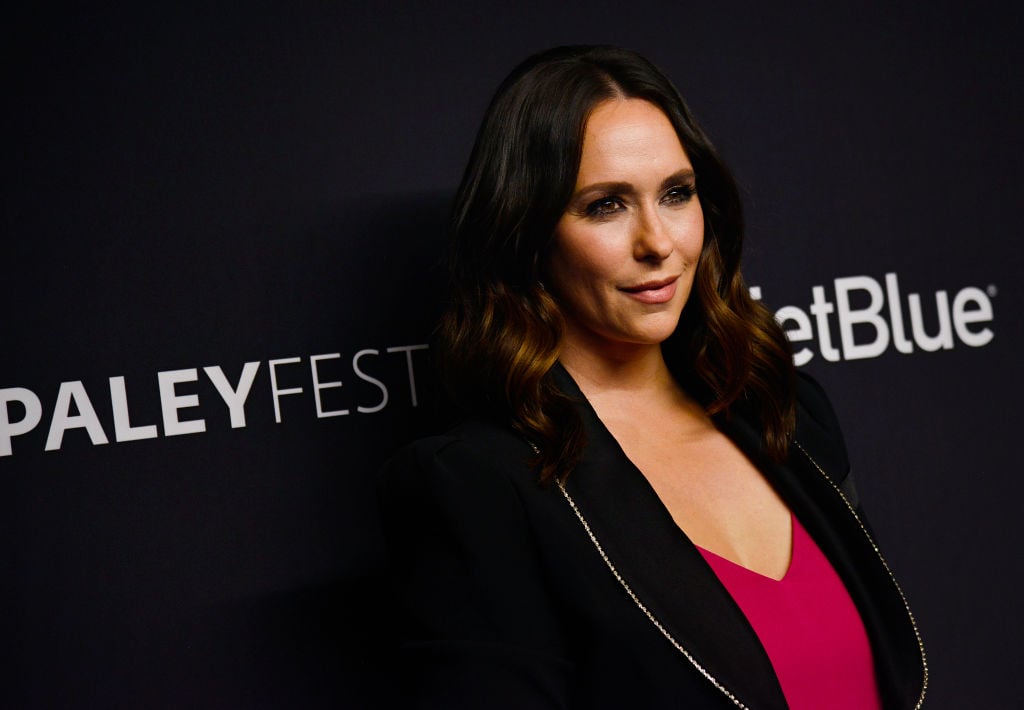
(192, 188)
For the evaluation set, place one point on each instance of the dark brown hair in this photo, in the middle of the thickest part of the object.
(500, 336)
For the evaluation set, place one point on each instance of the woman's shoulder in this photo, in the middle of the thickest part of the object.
(814, 403)
(474, 455)
(818, 431)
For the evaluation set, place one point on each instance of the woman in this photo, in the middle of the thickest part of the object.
(646, 506)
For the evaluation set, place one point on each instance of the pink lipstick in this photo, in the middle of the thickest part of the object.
(653, 292)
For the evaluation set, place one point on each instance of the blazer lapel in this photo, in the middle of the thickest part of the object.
(663, 568)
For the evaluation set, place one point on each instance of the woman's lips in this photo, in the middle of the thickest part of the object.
(653, 292)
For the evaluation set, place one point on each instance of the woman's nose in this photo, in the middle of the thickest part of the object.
(652, 241)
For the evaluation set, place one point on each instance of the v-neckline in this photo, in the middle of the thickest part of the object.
(767, 578)
(646, 483)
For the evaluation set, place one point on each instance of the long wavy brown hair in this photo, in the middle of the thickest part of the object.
(500, 335)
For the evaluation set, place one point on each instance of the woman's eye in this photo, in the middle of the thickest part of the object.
(679, 194)
(604, 207)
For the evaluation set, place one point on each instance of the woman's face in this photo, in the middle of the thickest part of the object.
(624, 252)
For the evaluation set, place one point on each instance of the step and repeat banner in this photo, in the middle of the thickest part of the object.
(221, 266)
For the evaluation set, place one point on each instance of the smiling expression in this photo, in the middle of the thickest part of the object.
(624, 252)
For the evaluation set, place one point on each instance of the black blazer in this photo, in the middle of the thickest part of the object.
(505, 601)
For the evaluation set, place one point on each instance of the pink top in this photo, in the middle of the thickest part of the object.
(809, 626)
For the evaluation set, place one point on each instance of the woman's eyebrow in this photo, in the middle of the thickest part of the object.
(605, 187)
(626, 188)
(678, 177)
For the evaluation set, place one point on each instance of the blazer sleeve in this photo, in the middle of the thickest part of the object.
(477, 628)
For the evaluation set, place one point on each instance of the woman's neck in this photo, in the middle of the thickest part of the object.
(630, 368)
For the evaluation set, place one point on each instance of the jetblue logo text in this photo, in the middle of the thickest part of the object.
(868, 330)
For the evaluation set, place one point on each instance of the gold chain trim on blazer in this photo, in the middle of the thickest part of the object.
(906, 605)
